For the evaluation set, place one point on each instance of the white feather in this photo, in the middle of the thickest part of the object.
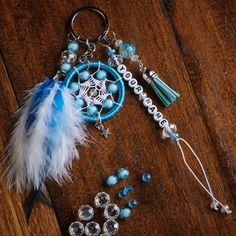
(27, 153)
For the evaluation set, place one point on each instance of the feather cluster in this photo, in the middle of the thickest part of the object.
(43, 143)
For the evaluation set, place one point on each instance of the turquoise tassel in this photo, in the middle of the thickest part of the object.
(166, 94)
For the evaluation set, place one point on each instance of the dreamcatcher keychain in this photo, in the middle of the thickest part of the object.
(52, 121)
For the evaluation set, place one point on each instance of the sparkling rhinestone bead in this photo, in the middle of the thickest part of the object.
(115, 60)
(76, 229)
(86, 212)
(68, 56)
(127, 50)
(110, 227)
(92, 229)
(102, 199)
(146, 177)
(118, 42)
(111, 211)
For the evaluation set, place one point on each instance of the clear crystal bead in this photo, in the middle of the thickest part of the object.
(118, 42)
(76, 229)
(115, 60)
(110, 227)
(86, 212)
(111, 211)
(166, 132)
(102, 199)
(68, 56)
(135, 58)
(92, 229)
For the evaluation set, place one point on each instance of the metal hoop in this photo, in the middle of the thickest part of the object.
(99, 12)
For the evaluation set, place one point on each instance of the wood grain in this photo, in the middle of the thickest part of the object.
(192, 46)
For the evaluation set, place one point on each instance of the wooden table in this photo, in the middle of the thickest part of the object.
(192, 46)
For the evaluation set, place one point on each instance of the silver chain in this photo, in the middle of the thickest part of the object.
(87, 56)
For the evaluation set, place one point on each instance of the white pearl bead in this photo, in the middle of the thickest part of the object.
(138, 89)
(121, 68)
(147, 102)
(142, 96)
(157, 116)
(152, 109)
(133, 83)
(127, 76)
(163, 123)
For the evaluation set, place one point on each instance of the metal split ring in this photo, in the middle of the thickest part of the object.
(99, 12)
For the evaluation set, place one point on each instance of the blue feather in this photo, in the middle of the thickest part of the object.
(39, 95)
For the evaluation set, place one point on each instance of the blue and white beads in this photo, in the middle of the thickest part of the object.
(146, 177)
(132, 203)
(123, 173)
(101, 75)
(73, 46)
(125, 213)
(84, 75)
(127, 49)
(112, 88)
(138, 90)
(74, 87)
(125, 191)
(112, 180)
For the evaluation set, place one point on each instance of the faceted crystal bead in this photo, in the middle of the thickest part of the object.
(167, 131)
(134, 58)
(112, 211)
(102, 199)
(118, 42)
(115, 60)
(86, 212)
(68, 56)
(92, 229)
(110, 227)
(76, 229)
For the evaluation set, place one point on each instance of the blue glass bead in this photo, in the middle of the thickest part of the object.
(111, 52)
(174, 137)
(128, 189)
(123, 173)
(101, 75)
(146, 177)
(125, 213)
(112, 88)
(84, 75)
(74, 86)
(133, 203)
(112, 180)
(73, 46)
(122, 194)
(65, 67)
(127, 50)
(108, 103)
(80, 102)
(92, 110)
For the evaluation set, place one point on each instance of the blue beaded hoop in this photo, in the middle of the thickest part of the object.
(115, 77)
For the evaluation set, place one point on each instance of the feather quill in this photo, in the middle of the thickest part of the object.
(43, 142)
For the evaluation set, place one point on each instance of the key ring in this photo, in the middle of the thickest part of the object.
(99, 12)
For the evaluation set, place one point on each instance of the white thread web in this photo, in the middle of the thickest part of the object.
(94, 92)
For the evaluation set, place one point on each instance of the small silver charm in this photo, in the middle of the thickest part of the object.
(104, 131)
